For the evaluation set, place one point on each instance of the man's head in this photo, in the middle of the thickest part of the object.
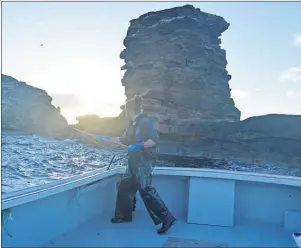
(133, 107)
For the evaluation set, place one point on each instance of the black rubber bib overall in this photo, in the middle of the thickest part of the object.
(138, 177)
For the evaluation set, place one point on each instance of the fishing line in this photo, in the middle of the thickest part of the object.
(88, 135)
(94, 136)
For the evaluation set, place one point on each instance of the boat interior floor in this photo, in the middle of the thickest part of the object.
(143, 233)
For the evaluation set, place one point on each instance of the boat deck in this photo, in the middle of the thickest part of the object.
(141, 233)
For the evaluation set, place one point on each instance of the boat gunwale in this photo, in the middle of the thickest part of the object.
(23, 196)
(297, 239)
(34, 193)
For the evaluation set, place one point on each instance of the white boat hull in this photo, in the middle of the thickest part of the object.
(238, 209)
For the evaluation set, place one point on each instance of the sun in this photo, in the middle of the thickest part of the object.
(95, 84)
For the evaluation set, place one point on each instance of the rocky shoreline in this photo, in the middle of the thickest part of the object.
(29, 110)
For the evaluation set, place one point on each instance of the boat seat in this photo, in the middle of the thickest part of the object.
(180, 242)
(297, 238)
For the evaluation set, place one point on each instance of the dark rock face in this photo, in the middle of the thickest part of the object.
(28, 109)
(174, 59)
(270, 139)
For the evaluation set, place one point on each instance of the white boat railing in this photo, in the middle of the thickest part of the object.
(297, 238)
(42, 191)
(38, 192)
(192, 194)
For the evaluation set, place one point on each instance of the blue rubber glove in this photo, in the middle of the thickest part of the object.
(136, 147)
(101, 138)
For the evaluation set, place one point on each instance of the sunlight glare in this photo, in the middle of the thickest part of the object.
(97, 86)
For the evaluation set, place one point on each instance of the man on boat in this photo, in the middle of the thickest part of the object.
(141, 138)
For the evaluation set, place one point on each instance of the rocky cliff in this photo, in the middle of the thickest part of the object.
(270, 139)
(113, 126)
(174, 59)
(28, 109)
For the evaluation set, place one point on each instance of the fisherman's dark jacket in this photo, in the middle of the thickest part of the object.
(141, 130)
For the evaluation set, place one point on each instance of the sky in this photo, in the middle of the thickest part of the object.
(79, 64)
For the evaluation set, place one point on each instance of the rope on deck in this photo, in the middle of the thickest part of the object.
(180, 242)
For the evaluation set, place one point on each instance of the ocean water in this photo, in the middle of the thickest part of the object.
(31, 160)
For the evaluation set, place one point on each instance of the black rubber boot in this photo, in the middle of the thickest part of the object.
(117, 220)
(124, 201)
(167, 224)
(154, 204)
